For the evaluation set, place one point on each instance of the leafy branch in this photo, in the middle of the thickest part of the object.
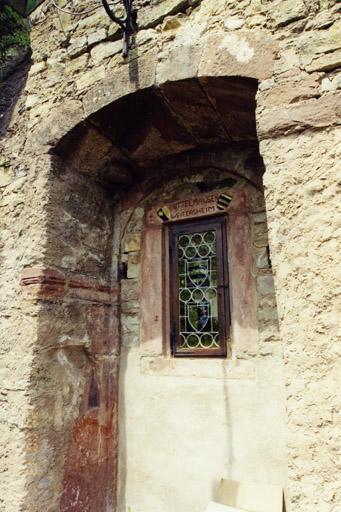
(14, 32)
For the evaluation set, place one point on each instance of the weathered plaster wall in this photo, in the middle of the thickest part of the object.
(184, 424)
(293, 49)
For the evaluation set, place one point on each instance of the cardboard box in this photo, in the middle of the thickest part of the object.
(251, 497)
(218, 507)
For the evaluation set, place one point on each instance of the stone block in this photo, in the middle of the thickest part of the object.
(314, 113)
(300, 87)
(31, 101)
(326, 85)
(127, 79)
(260, 234)
(58, 122)
(154, 14)
(268, 314)
(265, 285)
(256, 21)
(104, 50)
(5, 176)
(77, 65)
(233, 23)
(56, 64)
(132, 242)
(143, 36)
(179, 63)
(89, 78)
(259, 218)
(131, 307)
(337, 81)
(321, 20)
(133, 265)
(266, 84)
(130, 323)
(37, 68)
(97, 37)
(113, 29)
(326, 62)
(129, 290)
(288, 60)
(77, 47)
(284, 12)
(311, 44)
(242, 53)
(98, 19)
(262, 259)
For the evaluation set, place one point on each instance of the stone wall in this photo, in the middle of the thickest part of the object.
(60, 365)
(293, 50)
(304, 248)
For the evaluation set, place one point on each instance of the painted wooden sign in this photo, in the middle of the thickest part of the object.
(200, 206)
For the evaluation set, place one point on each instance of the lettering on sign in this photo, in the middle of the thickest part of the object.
(191, 207)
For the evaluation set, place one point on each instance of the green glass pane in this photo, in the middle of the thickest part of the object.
(209, 237)
(198, 297)
(207, 340)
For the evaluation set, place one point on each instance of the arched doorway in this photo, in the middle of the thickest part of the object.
(183, 139)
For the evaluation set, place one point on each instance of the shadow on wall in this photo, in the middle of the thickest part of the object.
(72, 382)
(12, 83)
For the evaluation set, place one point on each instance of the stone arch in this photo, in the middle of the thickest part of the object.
(72, 286)
(220, 55)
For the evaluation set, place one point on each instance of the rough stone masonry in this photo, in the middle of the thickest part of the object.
(75, 190)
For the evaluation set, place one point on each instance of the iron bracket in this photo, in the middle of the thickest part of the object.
(128, 23)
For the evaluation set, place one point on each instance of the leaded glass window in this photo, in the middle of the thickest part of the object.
(199, 288)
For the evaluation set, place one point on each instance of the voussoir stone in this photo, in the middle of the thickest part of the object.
(242, 53)
(181, 62)
(59, 122)
(127, 79)
(88, 78)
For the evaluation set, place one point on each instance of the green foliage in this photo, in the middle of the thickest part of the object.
(14, 32)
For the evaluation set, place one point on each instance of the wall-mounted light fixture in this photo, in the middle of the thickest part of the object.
(127, 23)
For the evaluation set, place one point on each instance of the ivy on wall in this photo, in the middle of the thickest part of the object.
(14, 34)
